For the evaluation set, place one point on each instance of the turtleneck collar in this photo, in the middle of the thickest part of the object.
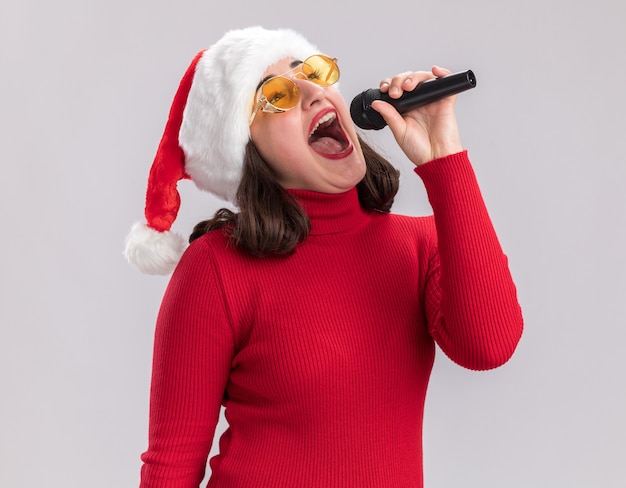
(331, 213)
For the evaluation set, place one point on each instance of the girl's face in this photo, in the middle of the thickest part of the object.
(313, 146)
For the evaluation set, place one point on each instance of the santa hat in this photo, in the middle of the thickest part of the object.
(206, 135)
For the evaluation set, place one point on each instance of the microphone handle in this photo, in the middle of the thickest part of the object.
(426, 92)
(432, 90)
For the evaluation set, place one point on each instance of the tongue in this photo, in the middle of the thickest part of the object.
(327, 145)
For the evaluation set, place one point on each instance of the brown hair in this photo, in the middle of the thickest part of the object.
(270, 221)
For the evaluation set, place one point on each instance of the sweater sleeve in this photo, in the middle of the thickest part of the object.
(193, 351)
(471, 300)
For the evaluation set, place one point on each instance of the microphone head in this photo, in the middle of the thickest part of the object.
(362, 113)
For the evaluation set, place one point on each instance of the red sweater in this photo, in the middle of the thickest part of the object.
(322, 358)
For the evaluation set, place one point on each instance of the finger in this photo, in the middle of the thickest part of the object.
(397, 84)
(399, 80)
(394, 120)
(384, 85)
(438, 71)
(407, 81)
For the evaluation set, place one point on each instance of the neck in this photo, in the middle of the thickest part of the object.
(331, 213)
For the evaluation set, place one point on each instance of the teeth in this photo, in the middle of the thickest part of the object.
(326, 118)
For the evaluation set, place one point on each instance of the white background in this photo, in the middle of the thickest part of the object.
(85, 89)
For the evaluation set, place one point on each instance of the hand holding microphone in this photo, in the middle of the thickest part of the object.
(426, 92)
(424, 135)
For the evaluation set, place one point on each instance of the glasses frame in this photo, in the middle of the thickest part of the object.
(266, 106)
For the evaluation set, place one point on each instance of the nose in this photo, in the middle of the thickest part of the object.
(310, 93)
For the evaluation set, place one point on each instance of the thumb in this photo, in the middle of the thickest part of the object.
(394, 120)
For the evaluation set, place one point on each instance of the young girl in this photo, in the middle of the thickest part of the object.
(311, 312)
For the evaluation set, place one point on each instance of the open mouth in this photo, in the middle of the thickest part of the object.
(327, 137)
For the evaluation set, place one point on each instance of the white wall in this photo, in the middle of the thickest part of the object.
(84, 94)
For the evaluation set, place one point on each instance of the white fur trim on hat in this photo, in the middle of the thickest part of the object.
(154, 252)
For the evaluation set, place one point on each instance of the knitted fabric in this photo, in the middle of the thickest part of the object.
(322, 358)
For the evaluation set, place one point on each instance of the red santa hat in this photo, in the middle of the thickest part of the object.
(206, 135)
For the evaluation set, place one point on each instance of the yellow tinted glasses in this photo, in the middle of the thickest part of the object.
(280, 93)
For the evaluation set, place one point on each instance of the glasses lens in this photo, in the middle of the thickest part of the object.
(281, 92)
(321, 69)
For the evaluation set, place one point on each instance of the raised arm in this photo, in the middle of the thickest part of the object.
(471, 299)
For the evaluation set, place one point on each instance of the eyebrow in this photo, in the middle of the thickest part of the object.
(294, 64)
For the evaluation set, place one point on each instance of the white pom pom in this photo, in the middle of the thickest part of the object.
(153, 252)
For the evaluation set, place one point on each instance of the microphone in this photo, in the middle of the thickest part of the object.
(426, 92)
